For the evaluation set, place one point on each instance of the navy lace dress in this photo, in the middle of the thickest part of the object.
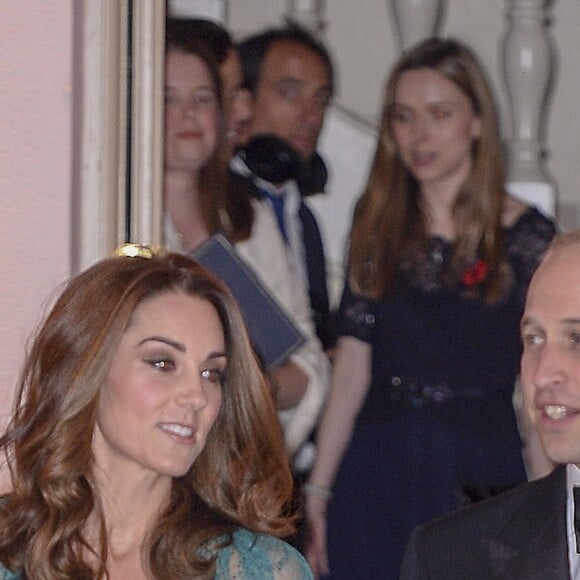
(437, 428)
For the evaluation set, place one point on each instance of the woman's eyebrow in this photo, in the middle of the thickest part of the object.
(527, 321)
(177, 345)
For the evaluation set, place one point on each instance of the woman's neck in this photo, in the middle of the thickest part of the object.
(131, 498)
(131, 506)
(438, 198)
(182, 203)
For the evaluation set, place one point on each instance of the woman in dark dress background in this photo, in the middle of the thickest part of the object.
(419, 418)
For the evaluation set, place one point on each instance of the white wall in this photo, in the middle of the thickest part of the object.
(35, 168)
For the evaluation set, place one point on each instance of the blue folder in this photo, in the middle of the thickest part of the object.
(273, 335)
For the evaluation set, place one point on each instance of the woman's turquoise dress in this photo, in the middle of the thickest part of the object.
(260, 557)
(251, 556)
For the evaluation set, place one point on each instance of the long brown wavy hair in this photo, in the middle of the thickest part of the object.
(241, 478)
(389, 222)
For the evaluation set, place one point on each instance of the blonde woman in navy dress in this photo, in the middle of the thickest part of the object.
(420, 419)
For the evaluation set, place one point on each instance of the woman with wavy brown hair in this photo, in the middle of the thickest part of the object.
(144, 442)
(419, 418)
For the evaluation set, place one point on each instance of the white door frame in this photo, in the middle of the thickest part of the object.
(118, 148)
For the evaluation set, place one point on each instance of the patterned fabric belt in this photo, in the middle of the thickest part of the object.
(412, 394)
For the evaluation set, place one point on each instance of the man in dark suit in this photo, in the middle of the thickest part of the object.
(528, 532)
(290, 78)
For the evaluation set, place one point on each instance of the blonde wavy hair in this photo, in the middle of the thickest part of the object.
(241, 478)
(389, 222)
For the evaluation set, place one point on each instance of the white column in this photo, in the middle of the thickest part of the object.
(308, 13)
(99, 125)
(528, 72)
(212, 9)
(100, 206)
(147, 136)
(416, 19)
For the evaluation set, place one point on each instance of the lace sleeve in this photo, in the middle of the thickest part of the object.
(260, 557)
(356, 316)
(526, 244)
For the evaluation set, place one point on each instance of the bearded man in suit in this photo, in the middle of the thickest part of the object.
(528, 532)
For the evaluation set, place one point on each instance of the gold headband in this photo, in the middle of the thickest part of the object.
(132, 250)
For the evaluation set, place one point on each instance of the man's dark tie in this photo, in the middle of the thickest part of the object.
(576, 491)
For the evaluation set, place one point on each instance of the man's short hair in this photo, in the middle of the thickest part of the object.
(253, 51)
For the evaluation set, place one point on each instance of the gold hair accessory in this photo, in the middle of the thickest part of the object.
(132, 250)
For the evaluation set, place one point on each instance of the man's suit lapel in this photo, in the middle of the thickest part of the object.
(532, 544)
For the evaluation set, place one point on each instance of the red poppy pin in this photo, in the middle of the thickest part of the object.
(475, 275)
